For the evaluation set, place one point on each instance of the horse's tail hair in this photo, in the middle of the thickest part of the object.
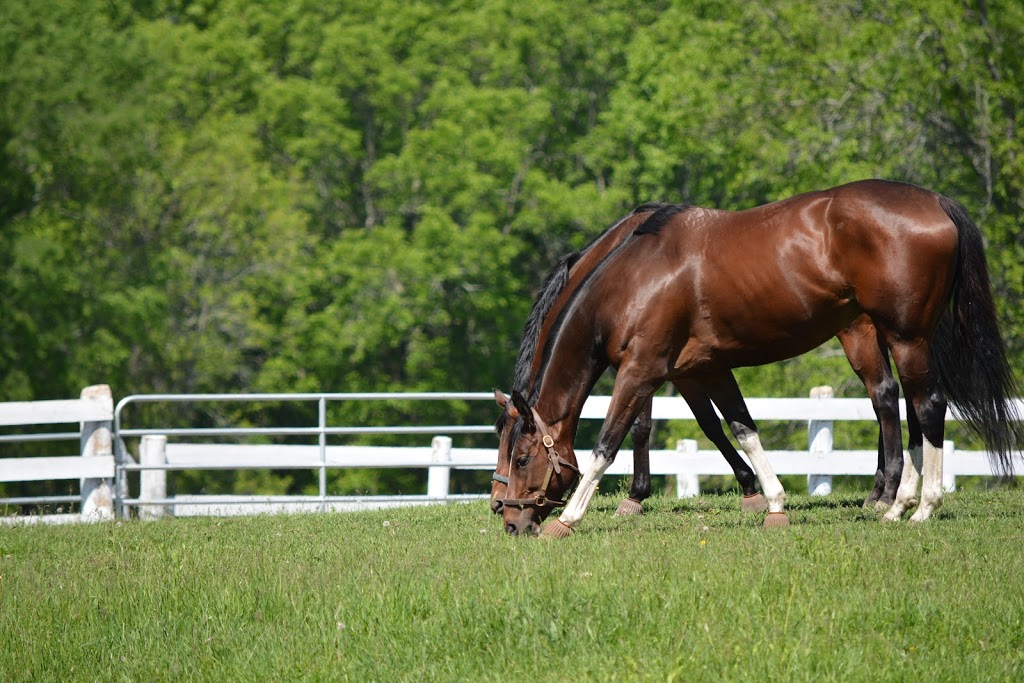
(968, 353)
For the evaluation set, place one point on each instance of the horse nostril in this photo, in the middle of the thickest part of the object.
(497, 506)
(512, 529)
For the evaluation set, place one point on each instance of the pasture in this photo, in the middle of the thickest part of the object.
(693, 590)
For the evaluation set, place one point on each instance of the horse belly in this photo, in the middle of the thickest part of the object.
(791, 341)
(761, 332)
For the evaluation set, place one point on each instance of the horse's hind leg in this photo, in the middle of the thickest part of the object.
(911, 479)
(640, 487)
(697, 398)
(723, 390)
(869, 358)
(929, 407)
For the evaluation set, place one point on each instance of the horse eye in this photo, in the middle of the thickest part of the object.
(522, 460)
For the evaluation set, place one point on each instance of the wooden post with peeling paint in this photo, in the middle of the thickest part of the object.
(96, 440)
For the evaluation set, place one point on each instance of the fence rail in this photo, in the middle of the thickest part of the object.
(165, 448)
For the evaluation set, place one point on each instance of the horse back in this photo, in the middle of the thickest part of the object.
(755, 286)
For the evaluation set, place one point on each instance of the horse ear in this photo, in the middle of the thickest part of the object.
(504, 402)
(523, 408)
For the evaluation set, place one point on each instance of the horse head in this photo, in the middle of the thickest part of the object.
(541, 468)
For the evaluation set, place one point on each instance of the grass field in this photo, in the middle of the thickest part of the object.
(693, 590)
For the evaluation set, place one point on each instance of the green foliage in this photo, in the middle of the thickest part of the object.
(692, 590)
(229, 196)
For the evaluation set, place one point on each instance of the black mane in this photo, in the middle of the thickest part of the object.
(657, 220)
(661, 215)
(553, 285)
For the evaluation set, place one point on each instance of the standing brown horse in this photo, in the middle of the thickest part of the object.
(876, 262)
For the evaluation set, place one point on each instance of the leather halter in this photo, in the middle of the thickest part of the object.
(555, 465)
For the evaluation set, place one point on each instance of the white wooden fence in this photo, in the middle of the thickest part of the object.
(93, 465)
(163, 449)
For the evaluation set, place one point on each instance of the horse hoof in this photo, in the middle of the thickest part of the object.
(871, 500)
(629, 508)
(776, 520)
(754, 503)
(555, 529)
(881, 506)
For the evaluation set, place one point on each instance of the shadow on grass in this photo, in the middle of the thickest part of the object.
(719, 512)
(793, 502)
(832, 501)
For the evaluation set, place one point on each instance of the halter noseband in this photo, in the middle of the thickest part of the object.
(555, 465)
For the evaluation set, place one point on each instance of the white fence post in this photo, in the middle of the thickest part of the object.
(819, 443)
(687, 484)
(438, 476)
(152, 483)
(948, 479)
(96, 440)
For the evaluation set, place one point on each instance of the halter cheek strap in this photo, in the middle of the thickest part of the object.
(549, 444)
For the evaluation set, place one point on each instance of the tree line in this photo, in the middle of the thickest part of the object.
(286, 196)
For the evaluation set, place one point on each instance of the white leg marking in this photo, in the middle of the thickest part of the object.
(577, 505)
(906, 494)
(771, 487)
(931, 484)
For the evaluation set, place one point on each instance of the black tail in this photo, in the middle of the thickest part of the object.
(968, 353)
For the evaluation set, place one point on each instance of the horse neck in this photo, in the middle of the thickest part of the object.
(573, 367)
(590, 258)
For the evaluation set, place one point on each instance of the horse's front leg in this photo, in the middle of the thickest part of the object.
(640, 487)
(628, 398)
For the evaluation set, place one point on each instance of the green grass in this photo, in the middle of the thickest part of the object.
(693, 590)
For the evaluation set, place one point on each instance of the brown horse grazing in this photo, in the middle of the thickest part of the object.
(893, 267)
(858, 340)
(554, 294)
